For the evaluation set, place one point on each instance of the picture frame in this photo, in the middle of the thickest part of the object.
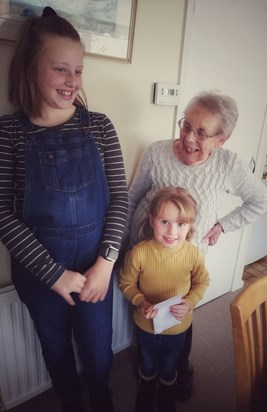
(106, 27)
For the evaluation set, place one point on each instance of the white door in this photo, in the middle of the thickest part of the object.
(225, 49)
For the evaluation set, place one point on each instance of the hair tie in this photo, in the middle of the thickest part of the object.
(48, 12)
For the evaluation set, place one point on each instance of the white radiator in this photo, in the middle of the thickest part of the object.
(22, 370)
(23, 374)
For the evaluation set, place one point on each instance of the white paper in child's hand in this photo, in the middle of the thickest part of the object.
(164, 318)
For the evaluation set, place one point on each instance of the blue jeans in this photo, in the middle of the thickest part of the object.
(159, 355)
(55, 322)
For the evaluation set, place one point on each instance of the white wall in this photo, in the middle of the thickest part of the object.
(5, 56)
(6, 52)
(124, 91)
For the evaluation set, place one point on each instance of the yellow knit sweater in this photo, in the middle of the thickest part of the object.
(157, 273)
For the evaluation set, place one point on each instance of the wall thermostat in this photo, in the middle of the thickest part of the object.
(166, 94)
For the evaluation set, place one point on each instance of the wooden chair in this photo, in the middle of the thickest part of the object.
(249, 324)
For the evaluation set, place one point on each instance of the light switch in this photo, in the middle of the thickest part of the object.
(166, 94)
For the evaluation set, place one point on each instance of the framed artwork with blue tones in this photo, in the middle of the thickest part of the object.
(105, 26)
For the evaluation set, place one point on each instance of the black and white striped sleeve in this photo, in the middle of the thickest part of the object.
(110, 151)
(14, 234)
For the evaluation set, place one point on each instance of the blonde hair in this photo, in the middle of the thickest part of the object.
(184, 202)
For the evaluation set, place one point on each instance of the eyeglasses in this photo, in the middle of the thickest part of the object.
(199, 133)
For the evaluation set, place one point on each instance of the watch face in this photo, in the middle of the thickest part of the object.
(109, 253)
(112, 254)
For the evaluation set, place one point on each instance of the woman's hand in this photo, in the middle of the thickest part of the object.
(97, 281)
(69, 282)
(147, 310)
(181, 310)
(213, 235)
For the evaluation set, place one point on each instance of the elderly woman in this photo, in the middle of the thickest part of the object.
(197, 162)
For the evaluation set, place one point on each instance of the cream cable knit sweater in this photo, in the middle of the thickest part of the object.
(224, 172)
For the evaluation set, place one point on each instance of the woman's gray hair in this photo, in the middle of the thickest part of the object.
(222, 106)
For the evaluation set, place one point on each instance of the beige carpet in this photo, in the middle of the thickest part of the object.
(212, 359)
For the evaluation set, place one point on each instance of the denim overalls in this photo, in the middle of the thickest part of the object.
(66, 199)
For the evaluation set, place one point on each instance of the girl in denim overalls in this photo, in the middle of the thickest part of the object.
(63, 207)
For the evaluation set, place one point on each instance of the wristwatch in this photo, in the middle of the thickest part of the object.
(109, 252)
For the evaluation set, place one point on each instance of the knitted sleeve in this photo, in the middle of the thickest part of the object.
(129, 274)
(199, 280)
(243, 183)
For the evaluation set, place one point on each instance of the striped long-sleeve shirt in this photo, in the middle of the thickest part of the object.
(14, 234)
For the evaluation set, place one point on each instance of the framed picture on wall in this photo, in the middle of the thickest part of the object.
(105, 26)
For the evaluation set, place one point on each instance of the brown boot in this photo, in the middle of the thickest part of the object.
(104, 404)
(165, 398)
(184, 384)
(145, 396)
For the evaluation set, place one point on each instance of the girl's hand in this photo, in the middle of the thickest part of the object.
(97, 281)
(69, 282)
(147, 310)
(181, 310)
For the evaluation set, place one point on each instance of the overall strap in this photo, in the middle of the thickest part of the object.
(85, 117)
(24, 120)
